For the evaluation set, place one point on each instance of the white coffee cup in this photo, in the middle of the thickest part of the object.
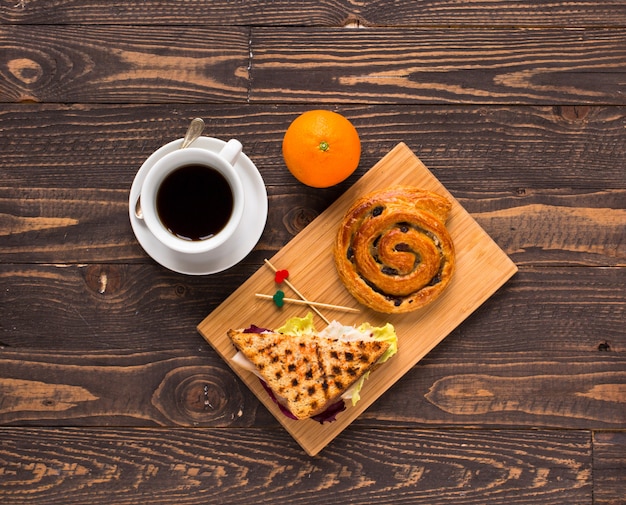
(208, 167)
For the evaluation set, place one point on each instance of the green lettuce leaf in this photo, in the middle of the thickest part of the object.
(385, 333)
(298, 325)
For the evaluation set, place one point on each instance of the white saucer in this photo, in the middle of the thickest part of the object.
(232, 252)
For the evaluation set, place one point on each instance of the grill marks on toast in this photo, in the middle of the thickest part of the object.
(307, 373)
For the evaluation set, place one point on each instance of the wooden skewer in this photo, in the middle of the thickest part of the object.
(307, 302)
(274, 269)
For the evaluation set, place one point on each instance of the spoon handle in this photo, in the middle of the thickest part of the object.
(193, 132)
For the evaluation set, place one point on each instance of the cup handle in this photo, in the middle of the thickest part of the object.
(231, 151)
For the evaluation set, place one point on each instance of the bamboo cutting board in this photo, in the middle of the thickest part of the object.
(481, 268)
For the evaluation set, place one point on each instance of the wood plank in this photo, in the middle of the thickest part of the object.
(200, 12)
(575, 13)
(188, 466)
(528, 389)
(188, 64)
(501, 146)
(534, 13)
(123, 388)
(109, 306)
(609, 468)
(510, 150)
(439, 66)
(124, 64)
(538, 311)
(77, 225)
(552, 311)
(195, 387)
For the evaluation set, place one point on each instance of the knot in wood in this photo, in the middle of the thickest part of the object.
(574, 113)
(27, 71)
(199, 397)
(298, 218)
(353, 22)
(203, 396)
(103, 279)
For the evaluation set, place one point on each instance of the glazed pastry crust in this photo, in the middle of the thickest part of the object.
(393, 251)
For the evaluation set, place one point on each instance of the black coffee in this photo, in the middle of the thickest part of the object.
(194, 202)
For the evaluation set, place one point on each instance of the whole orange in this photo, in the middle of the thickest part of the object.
(321, 148)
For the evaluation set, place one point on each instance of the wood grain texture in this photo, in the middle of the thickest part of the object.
(525, 389)
(443, 66)
(379, 65)
(107, 392)
(195, 387)
(493, 159)
(601, 13)
(145, 307)
(123, 388)
(123, 64)
(511, 150)
(609, 461)
(199, 466)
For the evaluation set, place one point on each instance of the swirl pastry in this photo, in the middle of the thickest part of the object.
(393, 251)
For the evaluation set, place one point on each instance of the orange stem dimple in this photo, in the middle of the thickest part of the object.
(324, 146)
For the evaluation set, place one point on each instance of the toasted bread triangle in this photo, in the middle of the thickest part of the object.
(307, 373)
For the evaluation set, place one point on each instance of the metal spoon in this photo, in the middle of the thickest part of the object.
(193, 132)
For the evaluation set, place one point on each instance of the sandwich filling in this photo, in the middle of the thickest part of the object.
(309, 371)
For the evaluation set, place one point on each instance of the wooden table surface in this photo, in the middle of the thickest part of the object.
(109, 395)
